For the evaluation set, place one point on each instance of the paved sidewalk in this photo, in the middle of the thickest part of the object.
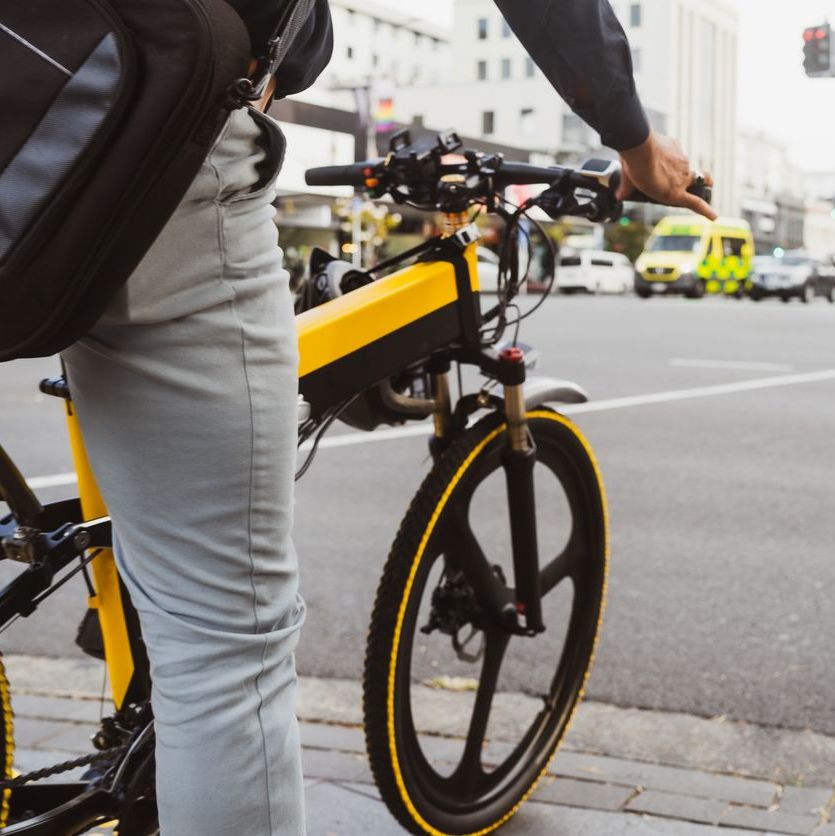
(621, 771)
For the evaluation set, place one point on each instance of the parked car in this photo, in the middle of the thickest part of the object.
(594, 271)
(488, 270)
(795, 274)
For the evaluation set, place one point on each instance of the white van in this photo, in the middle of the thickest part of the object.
(595, 271)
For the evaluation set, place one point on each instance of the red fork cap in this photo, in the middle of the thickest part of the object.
(512, 355)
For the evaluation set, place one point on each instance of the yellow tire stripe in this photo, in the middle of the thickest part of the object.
(8, 733)
(398, 775)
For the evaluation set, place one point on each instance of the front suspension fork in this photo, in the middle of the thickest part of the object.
(519, 458)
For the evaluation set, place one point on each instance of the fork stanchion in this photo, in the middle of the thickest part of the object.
(519, 459)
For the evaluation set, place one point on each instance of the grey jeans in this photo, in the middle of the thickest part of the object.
(186, 393)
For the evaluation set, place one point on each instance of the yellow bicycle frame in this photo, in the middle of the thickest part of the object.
(345, 346)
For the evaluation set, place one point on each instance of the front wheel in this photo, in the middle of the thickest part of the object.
(698, 290)
(462, 717)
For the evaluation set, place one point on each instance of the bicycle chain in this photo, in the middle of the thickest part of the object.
(65, 766)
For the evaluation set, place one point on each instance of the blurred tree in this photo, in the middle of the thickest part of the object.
(376, 222)
(627, 236)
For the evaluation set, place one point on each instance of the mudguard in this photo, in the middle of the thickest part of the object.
(542, 390)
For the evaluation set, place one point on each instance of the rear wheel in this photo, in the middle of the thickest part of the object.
(7, 743)
(461, 716)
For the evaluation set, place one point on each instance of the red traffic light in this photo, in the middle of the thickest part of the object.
(808, 35)
(820, 34)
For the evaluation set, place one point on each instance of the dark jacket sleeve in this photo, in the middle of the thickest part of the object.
(311, 50)
(583, 51)
(310, 54)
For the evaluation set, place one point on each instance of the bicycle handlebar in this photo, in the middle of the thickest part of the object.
(341, 175)
(424, 174)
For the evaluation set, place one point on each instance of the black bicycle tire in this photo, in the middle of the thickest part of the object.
(390, 603)
(7, 744)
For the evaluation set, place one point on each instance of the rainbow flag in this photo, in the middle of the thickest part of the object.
(384, 115)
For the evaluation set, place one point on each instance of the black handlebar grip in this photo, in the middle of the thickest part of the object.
(338, 175)
(698, 188)
(525, 174)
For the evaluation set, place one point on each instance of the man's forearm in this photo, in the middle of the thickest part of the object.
(584, 53)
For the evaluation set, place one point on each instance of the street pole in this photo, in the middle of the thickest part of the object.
(365, 148)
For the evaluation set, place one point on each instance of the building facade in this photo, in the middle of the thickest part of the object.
(377, 52)
(685, 54)
(772, 192)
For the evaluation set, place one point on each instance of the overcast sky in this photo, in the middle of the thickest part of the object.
(774, 93)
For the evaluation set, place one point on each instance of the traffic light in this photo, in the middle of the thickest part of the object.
(817, 51)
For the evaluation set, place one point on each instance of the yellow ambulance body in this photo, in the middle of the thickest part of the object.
(691, 255)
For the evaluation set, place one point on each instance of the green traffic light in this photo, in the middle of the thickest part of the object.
(624, 222)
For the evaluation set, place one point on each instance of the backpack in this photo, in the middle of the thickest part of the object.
(108, 109)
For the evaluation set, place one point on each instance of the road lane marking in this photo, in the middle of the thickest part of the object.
(741, 365)
(425, 428)
(701, 392)
(57, 480)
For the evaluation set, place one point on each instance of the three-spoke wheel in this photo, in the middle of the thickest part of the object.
(462, 713)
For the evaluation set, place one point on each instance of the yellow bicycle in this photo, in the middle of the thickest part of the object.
(494, 588)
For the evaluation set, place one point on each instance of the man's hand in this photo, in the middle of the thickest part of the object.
(660, 169)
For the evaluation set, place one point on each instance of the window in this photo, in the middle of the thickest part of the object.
(481, 72)
(635, 14)
(483, 30)
(506, 30)
(675, 244)
(636, 60)
(488, 122)
(505, 68)
(527, 122)
(732, 247)
(530, 68)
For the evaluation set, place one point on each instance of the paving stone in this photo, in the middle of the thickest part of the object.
(364, 789)
(589, 794)
(336, 766)
(665, 778)
(32, 734)
(56, 708)
(773, 821)
(826, 830)
(72, 738)
(685, 807)
(334, 810)
(805, 799)
(535, 819)
(329, 736)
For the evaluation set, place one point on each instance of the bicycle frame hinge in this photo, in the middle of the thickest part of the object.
(56, 387)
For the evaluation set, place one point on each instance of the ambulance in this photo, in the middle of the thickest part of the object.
(690, 255)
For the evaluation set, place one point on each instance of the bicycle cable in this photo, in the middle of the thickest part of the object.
(319, 433)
